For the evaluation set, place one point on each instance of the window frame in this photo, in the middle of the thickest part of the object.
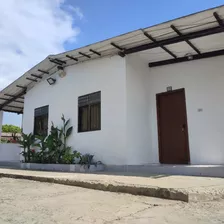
(89, 114)
(41, 115)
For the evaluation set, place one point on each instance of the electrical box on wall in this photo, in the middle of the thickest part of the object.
(169, 88)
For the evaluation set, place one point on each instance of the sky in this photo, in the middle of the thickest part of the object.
(30, 30)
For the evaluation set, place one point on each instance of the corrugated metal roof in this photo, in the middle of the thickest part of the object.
(192, 23)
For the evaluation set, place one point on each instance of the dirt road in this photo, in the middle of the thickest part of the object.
(30, 202)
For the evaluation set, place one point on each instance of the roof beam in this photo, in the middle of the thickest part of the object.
(10, 111)
(55, 62)
(187, 41)
(33, 80)
(17, 101)
(6, 94)
(45, 72)
(95, 52)
(85, 55)
(184, 59)
(155, 41)
(36, 76)
(59, 60)
(72, 58)
(12, 99)
(177, 39)
(15, 107)
(22, 87)
(121, 52)
(117, 46)
(219, 20)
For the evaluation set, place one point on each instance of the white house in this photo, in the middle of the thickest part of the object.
(151, 96)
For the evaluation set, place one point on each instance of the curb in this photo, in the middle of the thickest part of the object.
(165, 193)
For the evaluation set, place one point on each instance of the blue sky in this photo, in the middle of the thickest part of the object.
(96, 20)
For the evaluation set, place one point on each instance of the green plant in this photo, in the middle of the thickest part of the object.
(41, 155)
(86, 159)
(26, 143)
(53, 148)
(69, 157)
(9, 128)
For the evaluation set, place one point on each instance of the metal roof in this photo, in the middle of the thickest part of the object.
(200, 34)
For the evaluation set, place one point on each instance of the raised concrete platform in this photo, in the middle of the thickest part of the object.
(189, 170)
(183, 188)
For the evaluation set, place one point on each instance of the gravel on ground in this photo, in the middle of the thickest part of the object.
(31, 202)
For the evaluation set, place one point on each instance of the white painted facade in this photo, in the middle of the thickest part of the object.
(128, 134)
(10, 152)
(106, 75)
(1, 120)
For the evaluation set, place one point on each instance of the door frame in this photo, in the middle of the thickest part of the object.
(158, 95)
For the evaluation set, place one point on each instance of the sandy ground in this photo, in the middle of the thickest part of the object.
(29, 202)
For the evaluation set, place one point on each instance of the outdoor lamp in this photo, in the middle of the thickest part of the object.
(51, 81)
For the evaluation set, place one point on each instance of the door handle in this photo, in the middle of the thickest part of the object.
(183, 127)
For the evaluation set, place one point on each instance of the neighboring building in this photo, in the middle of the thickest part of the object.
(10, 136)
(121, 92)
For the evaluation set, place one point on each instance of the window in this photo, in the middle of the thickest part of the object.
(41, 121)
(89, 107)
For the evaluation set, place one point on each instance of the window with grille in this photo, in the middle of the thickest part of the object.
(89, 112)
(41, 121)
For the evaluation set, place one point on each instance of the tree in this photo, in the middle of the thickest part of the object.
(9, 128)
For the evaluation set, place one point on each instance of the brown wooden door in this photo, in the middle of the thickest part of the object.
(172, 127)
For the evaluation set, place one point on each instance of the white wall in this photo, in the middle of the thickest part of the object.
(138, 124)
(9, 152)
(128, 88)
(203, 81)
(1, 120)
(106, 75)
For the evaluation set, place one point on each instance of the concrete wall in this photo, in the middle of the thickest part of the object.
(1, 120)
(9, 152)
(128, 88)
(138, 122)
(203, 81)
(106, 75)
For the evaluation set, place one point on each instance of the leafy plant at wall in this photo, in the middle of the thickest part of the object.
(86, 159)
(41, 155)
(26, 142)
(50, 149)
(53, 148)
(69, 157)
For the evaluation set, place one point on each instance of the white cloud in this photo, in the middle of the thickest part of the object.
(30, 30)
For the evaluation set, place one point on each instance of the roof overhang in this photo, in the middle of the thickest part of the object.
(197, 36)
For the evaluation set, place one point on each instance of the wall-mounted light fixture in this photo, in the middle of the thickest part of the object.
(51, 81)
(61, 72)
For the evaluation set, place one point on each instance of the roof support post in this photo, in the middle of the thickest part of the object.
(45, 72)
(95, 52)
(219, 20)
(187, 41)
(159, 45)
(71, 57)
(85, 55)
(55, 62)
(176, 39)
(33, 80)
(22, 87)
(184, 59)
(121, 52)
(36, 76)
